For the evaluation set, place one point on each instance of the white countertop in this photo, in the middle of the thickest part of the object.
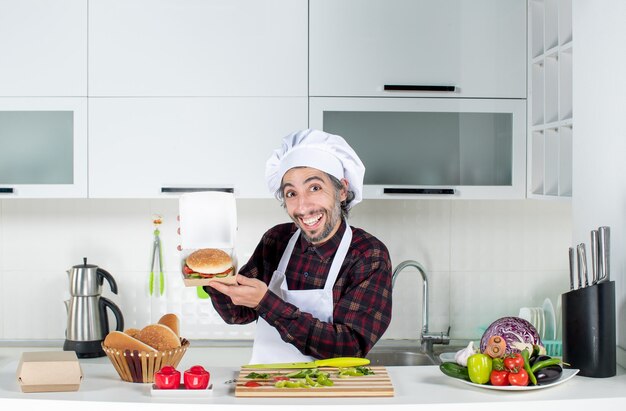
(424, 385)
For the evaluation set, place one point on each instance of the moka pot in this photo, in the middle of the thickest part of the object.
(87, 319)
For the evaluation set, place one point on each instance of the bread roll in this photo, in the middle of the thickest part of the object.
(132, 332)
(159, 336)
(122, 341)
(171, 321)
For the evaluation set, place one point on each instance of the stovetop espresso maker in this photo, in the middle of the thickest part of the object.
(87, 320)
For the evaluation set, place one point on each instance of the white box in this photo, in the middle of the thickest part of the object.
(208, 219)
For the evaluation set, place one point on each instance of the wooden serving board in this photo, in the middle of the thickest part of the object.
(377, 385)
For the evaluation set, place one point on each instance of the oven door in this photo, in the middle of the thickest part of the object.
(432, 147)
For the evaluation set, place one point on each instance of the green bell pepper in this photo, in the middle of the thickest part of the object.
(479, 368)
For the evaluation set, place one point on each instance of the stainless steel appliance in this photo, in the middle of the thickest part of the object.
(87, 320)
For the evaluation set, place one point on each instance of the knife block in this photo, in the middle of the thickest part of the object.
(589, 340)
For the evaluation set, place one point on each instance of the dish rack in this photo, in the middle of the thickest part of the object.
(547, 321)
(554, 348)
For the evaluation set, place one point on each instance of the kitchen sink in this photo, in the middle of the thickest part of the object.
(400, 358)
(408, 355)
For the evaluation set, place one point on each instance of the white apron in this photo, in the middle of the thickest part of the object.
(268, 346)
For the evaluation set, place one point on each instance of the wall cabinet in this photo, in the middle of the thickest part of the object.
(359, 46)
(43, 145)
(432, 148)
(550, 57)
(139, 146)
(43, 44)
(198, 48)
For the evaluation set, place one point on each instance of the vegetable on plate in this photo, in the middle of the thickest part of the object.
(454, 370)
(479, 368)
(462, 355)
(514, 331)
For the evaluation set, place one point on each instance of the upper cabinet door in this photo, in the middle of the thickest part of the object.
(357, 47)
(43, 147)
(198, 48)
(43, 48)
(155, 147)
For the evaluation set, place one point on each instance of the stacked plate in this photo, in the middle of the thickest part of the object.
(547, 322)
(542, 318)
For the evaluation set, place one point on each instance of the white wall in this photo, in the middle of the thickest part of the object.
(599, 192)
(485, 260)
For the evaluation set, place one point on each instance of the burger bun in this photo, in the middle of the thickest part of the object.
(211, 264)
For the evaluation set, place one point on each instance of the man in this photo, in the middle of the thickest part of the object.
(318, 287)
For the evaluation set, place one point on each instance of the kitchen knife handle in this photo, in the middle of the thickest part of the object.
(6, 190)
(604, 253)
(417, 87)
(572, 264)
(582, 263)
(594, 256)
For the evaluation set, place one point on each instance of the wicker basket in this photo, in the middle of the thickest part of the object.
(140, 366)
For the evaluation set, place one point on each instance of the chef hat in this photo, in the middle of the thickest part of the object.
(313, 148)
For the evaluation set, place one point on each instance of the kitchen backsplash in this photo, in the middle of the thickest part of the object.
(484, 259)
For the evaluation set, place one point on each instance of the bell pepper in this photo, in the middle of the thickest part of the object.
(479, 368)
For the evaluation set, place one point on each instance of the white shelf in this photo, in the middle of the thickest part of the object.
(538, 162)
(550, 108)
(565, 161)
(565, 21)
(565, 82)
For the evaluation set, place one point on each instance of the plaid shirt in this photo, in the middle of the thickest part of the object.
(362, 292)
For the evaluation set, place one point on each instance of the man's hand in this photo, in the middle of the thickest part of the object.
(247, 292)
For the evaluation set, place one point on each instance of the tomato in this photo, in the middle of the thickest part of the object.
(187, 270)
(499, 377)
(479, 368)
(252, 384)
(518, 378)
(281, 378)
(514, 362)
(167, 378)
(196, 378)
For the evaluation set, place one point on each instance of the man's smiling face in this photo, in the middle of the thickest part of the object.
(312, 202)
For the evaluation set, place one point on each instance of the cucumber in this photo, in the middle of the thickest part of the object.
(454, 370)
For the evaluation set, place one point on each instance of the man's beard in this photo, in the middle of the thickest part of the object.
(333, 218)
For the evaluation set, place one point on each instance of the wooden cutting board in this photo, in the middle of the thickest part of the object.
(377, 385)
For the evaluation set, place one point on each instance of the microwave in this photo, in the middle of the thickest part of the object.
(432, 147)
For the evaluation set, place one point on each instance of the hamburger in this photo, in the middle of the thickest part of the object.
(210, 263)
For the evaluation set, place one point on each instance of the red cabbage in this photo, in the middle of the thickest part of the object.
(513, 330)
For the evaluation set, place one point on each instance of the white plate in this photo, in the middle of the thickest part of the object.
(447, 357)
(548, 310)
(567, 375)
(181, 392)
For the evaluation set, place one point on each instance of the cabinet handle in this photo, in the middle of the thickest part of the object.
(444, 191)
(409, 87)
(6, 190)
(196, 189)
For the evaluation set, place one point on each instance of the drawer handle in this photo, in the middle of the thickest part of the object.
(196, 189)
(409, 87)
(6, 190)
(442, 191)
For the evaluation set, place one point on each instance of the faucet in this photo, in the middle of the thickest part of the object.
(427, 338)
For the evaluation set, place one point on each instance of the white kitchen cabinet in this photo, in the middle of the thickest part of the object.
(198, 48)
(550, 108)
(357, 47)
(43, 147)
(141, 146)
(43, 44)
(432, 148)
